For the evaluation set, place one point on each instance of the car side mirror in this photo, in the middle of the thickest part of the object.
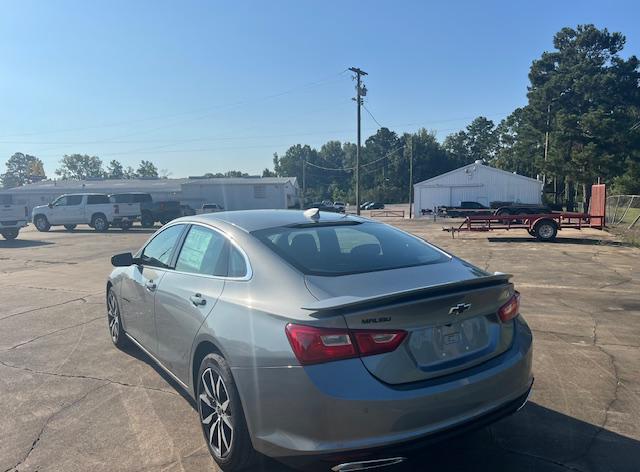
(50, 205)
(125, 259)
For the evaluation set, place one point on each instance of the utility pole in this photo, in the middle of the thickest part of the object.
(360, 92)
(304, 184)
(410, 175)
(546, 144)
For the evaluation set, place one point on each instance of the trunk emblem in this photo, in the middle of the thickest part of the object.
(459, 309)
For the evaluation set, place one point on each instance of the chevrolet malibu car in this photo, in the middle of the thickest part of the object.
(320, 335)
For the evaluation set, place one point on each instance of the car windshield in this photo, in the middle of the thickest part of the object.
(348, 248)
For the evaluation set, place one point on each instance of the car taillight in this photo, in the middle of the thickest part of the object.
(313, 345)
(377, 342)
(511, 309)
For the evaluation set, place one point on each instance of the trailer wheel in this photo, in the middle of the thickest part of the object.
(546, 230)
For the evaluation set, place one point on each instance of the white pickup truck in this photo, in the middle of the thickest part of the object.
(12, 217)
(93, 209)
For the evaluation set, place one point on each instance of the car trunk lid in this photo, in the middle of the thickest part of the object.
(449, 311)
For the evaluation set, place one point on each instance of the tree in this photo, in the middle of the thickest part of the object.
(129, 173)
(479, 141)
(268, 173)
(586, 96)
(22, 169)
(115, 170)
(80, 167)
(147, 169)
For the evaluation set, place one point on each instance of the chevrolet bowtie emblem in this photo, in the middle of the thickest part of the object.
(459, 308)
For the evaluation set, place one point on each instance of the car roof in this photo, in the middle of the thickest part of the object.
(253, 220)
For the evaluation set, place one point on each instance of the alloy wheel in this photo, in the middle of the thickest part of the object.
(215, 412)
(113, 315)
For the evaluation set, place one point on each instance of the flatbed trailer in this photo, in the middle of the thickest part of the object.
(543, 226)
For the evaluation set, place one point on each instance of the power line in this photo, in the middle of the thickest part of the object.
(371, 115)
(346, 169)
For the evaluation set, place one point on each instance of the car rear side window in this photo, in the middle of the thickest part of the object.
(95, 199)
(160, 249)
(73, 200)
(203, 252)
(342, 249)
(237, 263)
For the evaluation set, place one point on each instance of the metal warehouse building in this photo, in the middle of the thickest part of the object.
(476, 183)
(232, 193)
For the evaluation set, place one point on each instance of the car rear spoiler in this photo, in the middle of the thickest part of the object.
(350, 301)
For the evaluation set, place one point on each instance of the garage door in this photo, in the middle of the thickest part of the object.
(467, 194)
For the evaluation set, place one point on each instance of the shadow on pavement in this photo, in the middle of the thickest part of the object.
(579, 241)
(535, 439)
(22, 243)
(110, 231)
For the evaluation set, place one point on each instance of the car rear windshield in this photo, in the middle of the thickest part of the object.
(342, 249)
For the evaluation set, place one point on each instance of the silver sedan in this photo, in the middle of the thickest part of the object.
(319, 335)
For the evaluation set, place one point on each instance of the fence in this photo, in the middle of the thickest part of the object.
(623, 211)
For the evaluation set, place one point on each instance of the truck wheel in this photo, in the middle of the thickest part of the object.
(546, 230)
(125, 225)
(42, 224)
(100, 223)
(147, 220)
(10, 234)
(70, 227)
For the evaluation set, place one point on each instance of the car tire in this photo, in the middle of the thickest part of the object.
(125, 225)
(10, 234)
(100, 223)
(221, 416)
(70, 227)
(42, 223)
(147, 220)
(546, 230)
(114, 321)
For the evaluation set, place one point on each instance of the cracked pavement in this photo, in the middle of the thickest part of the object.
(71, 401)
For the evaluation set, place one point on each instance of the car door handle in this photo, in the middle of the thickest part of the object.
(197, 300)
(151, 286)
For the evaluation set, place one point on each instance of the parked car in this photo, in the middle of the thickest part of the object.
(93, 209)
(323, 207)
(304, 333)
(210, 208)
(150, 211)
(375, 206)
(12, 217)
(465, 209)
(187, 210)
(341, 206)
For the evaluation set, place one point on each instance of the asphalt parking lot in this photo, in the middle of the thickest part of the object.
(70, 401)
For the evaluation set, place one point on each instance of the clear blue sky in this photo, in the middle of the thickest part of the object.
(209, 86)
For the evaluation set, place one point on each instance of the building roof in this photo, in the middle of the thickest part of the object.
(140, 185)
(475, 164)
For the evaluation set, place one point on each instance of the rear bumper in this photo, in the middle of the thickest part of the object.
(13, 224)
(338, 408)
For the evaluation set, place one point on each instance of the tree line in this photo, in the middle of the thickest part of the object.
(581, 125)
(25, 169)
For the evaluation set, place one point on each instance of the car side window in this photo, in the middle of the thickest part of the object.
(237, 263)
(61, 201)
(160, 249)
(73, 200)
(204, 251)
(96, 199)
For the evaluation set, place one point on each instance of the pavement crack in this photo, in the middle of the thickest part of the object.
(52, 333)
(46, 423)
(88, 377)
(80, 299)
